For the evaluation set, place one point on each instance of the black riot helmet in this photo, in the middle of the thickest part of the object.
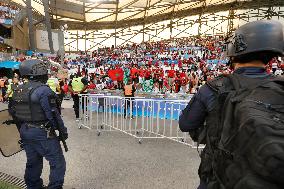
(258, 36)
(33, 67)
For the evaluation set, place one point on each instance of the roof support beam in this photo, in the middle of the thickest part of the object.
(30, 22)
(173, 15)
(145, 13)
(116, 15)
(48, 25)
(182, 13)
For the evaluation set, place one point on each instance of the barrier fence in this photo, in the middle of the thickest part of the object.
(140, 118)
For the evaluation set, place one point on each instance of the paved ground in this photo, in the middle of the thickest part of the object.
(115, 160)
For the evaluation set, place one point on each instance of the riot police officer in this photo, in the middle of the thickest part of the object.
(250, 49)
(36, 110)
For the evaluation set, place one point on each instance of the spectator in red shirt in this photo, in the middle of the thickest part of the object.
(134, 74)
(177, 84)
(148, 74)
(91, 85)
(120, 75)
(282, 66)
(156, 74)
(179, 64)
(171, 76)
(65, 87)
(166, 83)
(157, 63)
(183, 74)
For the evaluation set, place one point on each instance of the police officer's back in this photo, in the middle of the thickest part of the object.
(35, 109)
(236, 146)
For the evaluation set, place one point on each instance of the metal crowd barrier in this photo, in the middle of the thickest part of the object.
(140, 118)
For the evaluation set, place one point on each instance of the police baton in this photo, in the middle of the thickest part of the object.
(61, 137)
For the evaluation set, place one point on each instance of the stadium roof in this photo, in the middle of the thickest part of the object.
(110, 14)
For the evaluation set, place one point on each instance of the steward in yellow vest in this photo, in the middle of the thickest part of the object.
(78, 85)
(11, 88)
(52, 83)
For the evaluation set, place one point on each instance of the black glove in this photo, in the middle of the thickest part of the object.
(8, 122)
(64, 136)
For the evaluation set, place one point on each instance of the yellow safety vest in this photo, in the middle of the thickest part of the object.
(128, 90)
(9, 89)
(51, 83)
(77, 84)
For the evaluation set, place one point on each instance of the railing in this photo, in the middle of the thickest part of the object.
(169, 96)
(140, 118)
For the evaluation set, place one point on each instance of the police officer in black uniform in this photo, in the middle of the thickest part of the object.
(250, 49)
(36, 111)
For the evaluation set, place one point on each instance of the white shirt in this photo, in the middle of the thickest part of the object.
(278, 72)
(274, 65)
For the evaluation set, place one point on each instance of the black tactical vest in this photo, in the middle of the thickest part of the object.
(231, 158)
(27, 105)
(211, 134)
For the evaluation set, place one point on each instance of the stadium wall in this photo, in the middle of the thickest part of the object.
(20, 36)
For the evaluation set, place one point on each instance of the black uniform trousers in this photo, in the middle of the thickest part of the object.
(76, 106)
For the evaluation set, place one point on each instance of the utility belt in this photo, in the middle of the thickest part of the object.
(45, 126)
(42, 125)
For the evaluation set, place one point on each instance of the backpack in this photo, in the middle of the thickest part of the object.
(250, 151)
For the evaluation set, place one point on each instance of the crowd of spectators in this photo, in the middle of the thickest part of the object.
(8, 11)
(170, 66)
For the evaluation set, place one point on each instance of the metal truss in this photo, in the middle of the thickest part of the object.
(173, 19)
(194, 8)
(204, 17)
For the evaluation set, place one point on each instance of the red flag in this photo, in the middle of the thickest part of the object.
(111, 74)
(119, 74)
